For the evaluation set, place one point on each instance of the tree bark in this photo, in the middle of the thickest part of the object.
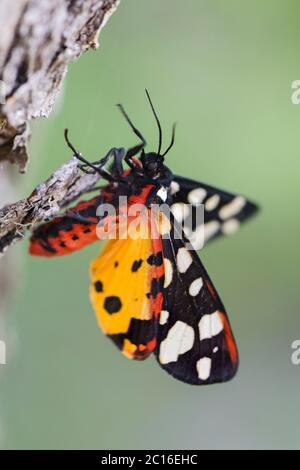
(38, 41)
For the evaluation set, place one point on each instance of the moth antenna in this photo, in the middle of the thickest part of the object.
(157, 122)
(172, 140)
(69, 143)
(135, 130)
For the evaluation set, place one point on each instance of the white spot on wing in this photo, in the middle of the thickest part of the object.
(210, 325)
(232, 208)
(180, 211)
(230, 226)
(211, 228)
(184, 260)
(195, 287)
(216, 349)
(196, 237)
(212, 202)
(204, 367)
(174, 187)
(179, 340)
(162, 193)
(168, 272)
(196, 196)
(164, 315)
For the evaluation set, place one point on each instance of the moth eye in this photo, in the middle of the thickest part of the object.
(152, 166)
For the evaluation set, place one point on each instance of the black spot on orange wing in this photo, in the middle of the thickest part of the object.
(136, 265)
(128, 328)
(155, 259)
(98, 286)
(112, 304)
(157, 286)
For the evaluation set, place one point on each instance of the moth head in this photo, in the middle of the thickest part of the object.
(152, 163)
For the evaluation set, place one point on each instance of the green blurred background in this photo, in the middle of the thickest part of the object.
(223, 70)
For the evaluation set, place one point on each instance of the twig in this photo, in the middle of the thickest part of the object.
(64, 185)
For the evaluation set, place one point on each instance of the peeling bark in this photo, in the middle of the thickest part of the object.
(38, 41)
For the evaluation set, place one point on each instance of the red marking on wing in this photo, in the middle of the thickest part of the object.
(158, 271)
(230, 342)
(63, 242)
(143, 350)
(229, 339)
(142, 196)
(64, 235)
(211, 289)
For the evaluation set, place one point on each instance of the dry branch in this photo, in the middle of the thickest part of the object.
(64, 185)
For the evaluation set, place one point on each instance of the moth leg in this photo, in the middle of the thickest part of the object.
(118, 156)
(105, 174)
(137, 148)
(131, 153)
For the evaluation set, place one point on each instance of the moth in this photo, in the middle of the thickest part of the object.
(152, 294)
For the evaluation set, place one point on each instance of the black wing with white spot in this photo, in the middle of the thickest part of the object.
(195, 343)
(223, 211)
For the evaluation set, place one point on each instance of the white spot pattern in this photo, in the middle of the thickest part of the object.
(195, 287)
(184, 260)
(197, 237)
(164, 315)
(204, 367)
(196, 196)
(179, 340)
(163, 193)
(212, 202)
(210, 325)
(174, 187)
(232, 208)
(168, 272)
(211, 228)
(230, 226)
